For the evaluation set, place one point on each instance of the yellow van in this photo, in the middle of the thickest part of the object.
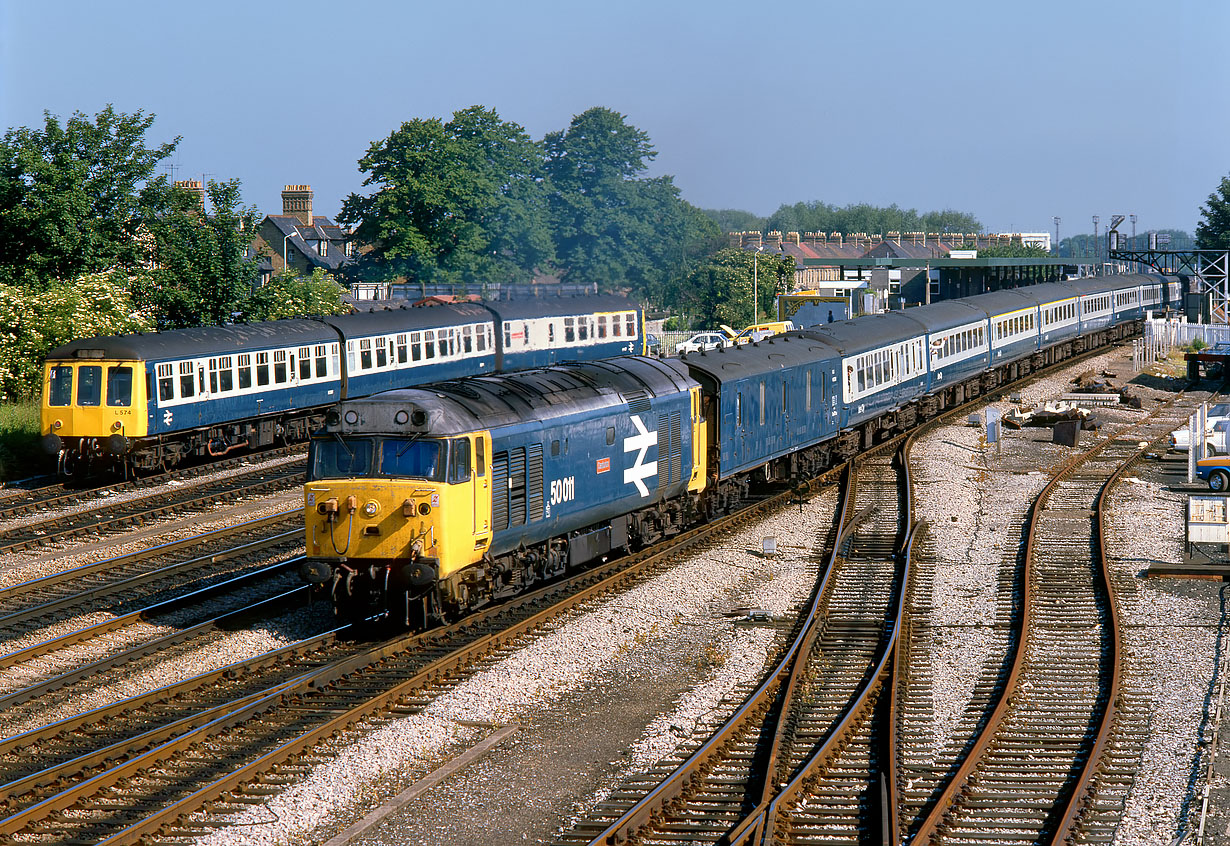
(759, 331)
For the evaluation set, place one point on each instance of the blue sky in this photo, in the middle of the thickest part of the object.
(1012, 112)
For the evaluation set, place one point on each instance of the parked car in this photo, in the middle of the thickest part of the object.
(1180, 438)
(1215, 471)
(702, 341)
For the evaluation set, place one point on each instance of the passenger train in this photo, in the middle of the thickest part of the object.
(151, 400)
(424, 503)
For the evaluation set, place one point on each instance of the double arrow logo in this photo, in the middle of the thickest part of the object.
(640, 469)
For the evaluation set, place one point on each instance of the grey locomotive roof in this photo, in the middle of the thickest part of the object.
(946, 314)
(552, 306)
(202, 341)
(1112, 283)
(389, 320)
(482, 402)
(999, 302)
(791, 349)
(868, 332)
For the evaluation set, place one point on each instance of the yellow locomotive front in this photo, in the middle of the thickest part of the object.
(92, 408)
(389, 515)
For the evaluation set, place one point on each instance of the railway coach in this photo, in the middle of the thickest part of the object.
(151, 400)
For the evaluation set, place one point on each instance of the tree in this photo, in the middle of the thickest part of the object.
(69, 195)
(736, 220)
(288, 294)
(719, 290)
(202, 267)
(460, 201)
(612, 227)
(1213, 230)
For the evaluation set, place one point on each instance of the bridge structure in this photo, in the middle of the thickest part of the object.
(1208, 270)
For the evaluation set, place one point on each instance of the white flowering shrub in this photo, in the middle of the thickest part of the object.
(32, 324)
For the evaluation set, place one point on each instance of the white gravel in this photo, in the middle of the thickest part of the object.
(564, 658)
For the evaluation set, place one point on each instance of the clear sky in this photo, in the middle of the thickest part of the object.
(1013, 112)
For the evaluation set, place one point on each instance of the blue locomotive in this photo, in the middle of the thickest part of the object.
(425, 503)
(151, 400)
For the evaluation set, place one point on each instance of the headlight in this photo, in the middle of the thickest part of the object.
(371, 508)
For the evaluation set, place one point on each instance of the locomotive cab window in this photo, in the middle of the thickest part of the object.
(119, 386)
(89, 385)
(338, 458)
(459, 461)
(60, 386)
(418, 458)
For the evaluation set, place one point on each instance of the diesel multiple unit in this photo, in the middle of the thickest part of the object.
(151, 400)
(423, 503)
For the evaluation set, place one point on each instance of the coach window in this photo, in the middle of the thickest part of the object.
(570, 330)
(186, 386)
(60, 386)
(382, 353)
(305, 363)
(601, 326)
(245, 371)
(322, 361)
(582, 328)
(429, 343)
(507, 334)
(448, 342)
(630, 324)
(365, 354)
(262, 368)
(616, 326)
(401, 349)
(166, 382)
(480, 339)
(226, 377)
(280, 372)
(467, 339)
(459, 466)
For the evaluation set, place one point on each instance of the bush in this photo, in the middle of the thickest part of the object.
(1198, 344)
(21, 454)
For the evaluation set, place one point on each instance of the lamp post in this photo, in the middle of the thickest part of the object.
(1056, 219)
(756, 285)
(293, 232)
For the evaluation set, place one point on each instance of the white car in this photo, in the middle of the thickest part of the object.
(702, 341)
(1215, 437)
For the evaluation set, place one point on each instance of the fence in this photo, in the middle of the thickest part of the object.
(1163, 335)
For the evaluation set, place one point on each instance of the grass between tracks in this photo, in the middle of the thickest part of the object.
(21, 454)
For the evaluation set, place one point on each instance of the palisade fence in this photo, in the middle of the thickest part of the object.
(672, 339)
(1163, 335)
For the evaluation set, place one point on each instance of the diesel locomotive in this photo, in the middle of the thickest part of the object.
(424, 503)
(148, 401)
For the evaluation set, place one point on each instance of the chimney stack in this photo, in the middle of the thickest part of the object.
(194, 187)
(297, 202)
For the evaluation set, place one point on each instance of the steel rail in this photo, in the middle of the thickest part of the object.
(929, 829)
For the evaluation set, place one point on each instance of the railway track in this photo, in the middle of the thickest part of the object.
(146, 574)
(1051, 755)
(811, 719)
(179, 753)
(18, 501)
(100, 517)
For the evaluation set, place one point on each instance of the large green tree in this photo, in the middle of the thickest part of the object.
(613, 226)
(460, 201)
(69, 195)
(1213, 230)
(818, 216)
(203, 268)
